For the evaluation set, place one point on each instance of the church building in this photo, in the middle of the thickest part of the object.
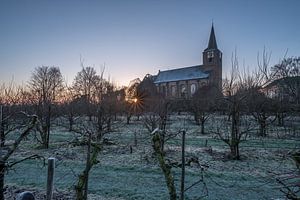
(184, 82)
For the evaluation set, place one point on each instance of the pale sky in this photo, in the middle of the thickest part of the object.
(136, 37)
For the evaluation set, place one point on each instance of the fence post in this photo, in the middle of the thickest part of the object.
(183, 166)
(50, 178)
(2, 135)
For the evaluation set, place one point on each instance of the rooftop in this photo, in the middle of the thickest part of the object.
(181, 74)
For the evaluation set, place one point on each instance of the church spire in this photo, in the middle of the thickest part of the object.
(212, 39)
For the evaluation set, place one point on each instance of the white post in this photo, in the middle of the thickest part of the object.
(50, 178)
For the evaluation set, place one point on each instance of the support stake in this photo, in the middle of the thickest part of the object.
(183, 166)
(50, 178)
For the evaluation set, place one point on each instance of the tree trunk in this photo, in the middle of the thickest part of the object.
(162, 141)
(82, 184)
(100, 126)
(109, 124)
(262, 127)
(128, 118)
(280, 119)
(202, 125)
(2, 172)
(166, 169)
(71, 122)
(43, 134)
(234, 142)
(2, 134)
(5, 157)
(48, 124)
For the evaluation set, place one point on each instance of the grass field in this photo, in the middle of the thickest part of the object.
(124, 175)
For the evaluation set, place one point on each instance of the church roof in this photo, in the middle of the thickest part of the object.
(212, 44)
(181, 74)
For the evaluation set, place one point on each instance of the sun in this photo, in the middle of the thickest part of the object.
(135, 100)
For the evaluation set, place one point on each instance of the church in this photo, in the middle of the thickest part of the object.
(182, 83)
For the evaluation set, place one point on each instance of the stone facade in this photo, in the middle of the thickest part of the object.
(180, 89)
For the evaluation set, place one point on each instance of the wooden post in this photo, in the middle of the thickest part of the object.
(2, 135)
(183, 166)
(50, 178)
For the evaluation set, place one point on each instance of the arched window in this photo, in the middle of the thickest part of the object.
(183, 91)
(210, 56)
(173, 91)
(193, 88)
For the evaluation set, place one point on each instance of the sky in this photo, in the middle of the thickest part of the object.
(132, 38)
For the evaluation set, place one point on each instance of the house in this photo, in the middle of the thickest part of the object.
(286, 89)
(184, 82)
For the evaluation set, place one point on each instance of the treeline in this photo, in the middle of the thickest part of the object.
(47, 96)
(267, 93)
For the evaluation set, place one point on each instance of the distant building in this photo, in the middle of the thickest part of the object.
(184, 82)
(286, 89)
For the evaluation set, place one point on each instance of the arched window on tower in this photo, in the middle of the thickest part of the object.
(210, 56)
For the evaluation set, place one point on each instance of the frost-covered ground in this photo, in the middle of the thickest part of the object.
(125, 175)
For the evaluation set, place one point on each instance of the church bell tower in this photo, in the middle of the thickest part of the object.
(212, 59)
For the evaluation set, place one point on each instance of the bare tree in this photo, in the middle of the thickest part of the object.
(156, 140)
(286, 77)
(93, 149)
(262, 109)
(105, 107)
(70, 107)
(203, 104)
(86, 84)
(133, 101)
(234, 98)
(6, 152)
(45, 86)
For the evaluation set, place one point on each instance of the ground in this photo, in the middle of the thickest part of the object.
(121, 174)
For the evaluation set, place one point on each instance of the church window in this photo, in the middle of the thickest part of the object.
(193, 88)
(183, 91)
(173, 91)
(210, 55)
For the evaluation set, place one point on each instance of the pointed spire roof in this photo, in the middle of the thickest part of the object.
(212, 39)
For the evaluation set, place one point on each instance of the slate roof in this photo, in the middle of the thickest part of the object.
(181, 74)
(212, 44)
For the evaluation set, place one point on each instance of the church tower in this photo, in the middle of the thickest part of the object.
(212, 59)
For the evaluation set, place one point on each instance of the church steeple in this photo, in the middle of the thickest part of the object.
(212, 60)
(212, 44)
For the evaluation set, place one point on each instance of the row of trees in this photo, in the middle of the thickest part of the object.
(91, 95)
(47, 96)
